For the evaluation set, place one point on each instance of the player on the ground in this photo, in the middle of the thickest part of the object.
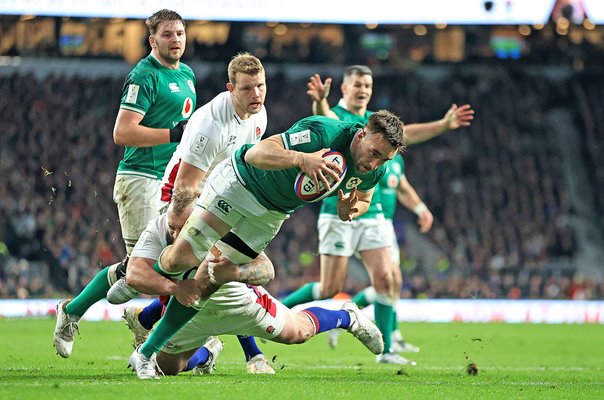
(247, 198)
(366, 235)
(235, 308)
(157, 99)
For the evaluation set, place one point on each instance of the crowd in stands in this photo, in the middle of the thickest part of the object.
(496, 189)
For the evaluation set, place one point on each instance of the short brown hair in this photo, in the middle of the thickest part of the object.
(359, 70)
(161, 16)
(244, 63)
(390, 127)
(182, 198)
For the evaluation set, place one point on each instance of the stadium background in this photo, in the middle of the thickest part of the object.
(518, 197)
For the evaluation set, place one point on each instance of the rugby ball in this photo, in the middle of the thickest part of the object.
(305, 186)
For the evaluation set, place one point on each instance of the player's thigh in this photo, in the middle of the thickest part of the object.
(196, 238)
(235, 309)
(137, 199)
(371, 234)
(333, 274)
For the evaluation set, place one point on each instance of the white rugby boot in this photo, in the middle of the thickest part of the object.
(120, 292)
(363, 329)
(393, 358)
(65, 329)
(214, 346)
(145, 368)
(139, 332)
(259, 365)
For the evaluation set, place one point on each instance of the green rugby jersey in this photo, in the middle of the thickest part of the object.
(329, 205)
(275, 189)
(388, 185)
(164, 97)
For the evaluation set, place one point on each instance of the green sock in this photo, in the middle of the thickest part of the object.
(364, 297)
(360, 299)
(175, 317)
(383, 320)
(302, 295)
(96, 290)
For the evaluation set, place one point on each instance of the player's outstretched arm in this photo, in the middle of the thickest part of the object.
(408, 197)
(454, 118)
(318, 93)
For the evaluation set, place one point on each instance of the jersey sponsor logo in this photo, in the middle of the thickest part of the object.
(187, 108)
(353, 182)
(199, 145)
(299, 137)
(191, 85)
(224, 206)
(392, 181)
(132, 95)
(174, 87)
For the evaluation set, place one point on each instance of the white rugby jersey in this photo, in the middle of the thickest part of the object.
(212, 134)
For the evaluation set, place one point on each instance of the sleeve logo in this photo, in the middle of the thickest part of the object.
(132, 95)
(199, 145)
(299, 137)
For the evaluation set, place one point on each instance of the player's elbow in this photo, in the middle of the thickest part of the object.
(119, 137)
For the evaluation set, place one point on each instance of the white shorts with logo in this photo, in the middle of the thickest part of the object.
(224, 196)
(235, 309)
(138, 201)
(341, 238)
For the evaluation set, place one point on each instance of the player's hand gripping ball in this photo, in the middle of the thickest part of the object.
(305, 186)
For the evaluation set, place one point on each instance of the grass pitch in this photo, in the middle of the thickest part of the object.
(514, 361)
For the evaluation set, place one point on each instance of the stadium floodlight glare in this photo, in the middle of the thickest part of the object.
(456, 12)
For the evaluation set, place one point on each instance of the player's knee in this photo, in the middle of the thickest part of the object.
(383, 282)
(302, 334)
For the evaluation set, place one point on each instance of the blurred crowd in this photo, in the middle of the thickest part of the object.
(497, 191)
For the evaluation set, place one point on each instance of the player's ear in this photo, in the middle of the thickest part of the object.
(152, 41)
(230, 87)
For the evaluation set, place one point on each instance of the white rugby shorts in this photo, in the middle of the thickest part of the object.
(138, 201)
(224, 196)
(345, 238)
(235, 309)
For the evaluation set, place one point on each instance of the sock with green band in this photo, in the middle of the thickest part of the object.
(175, 317)
(307, 293)
(364, 297)
(95, 290)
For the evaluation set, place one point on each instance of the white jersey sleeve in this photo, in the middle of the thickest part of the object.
(153, 239)
(212, 134)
